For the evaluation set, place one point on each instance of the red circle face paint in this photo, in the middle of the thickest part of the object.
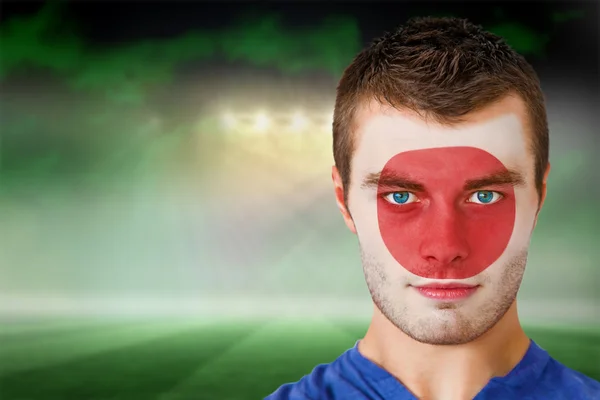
(445, 233)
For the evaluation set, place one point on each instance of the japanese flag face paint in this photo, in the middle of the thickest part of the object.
(444, 228)
(444, 217)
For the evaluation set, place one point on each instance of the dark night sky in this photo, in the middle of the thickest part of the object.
(574, 44)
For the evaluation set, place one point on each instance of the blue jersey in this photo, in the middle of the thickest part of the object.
(352, 377)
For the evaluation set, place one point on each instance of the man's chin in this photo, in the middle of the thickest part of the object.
(444, 338)
(440, 323)
(444, 327)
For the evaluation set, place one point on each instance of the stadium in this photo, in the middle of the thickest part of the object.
(169, 230)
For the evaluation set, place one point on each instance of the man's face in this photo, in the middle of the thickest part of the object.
(444, 217)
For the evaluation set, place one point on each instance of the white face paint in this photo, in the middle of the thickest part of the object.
(383, 134)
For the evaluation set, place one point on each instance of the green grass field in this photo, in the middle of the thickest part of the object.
(169, 359)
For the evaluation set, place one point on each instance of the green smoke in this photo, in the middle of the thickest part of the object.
(35, 41)
(125, 73)
(566, 16)
(266, 42)
(522, 38)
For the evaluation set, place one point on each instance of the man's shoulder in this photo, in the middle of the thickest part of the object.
(305, 388)
(323, 378)
(348, 377)
(558, 378)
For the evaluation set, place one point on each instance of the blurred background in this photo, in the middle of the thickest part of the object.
(167, 220)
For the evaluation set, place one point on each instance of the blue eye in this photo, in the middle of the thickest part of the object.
(485, 197)
(401, 198)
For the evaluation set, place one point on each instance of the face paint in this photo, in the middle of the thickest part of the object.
(435, 204)
(457, 222)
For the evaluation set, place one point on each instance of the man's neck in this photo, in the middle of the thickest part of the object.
(456, 372)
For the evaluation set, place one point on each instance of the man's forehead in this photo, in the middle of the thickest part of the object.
(383, 132)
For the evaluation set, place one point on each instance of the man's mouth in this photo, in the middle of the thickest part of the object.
(446, 291)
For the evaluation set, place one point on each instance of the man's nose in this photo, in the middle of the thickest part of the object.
(444, 238)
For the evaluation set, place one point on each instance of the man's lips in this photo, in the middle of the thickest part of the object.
(448, 285)
(446, 291)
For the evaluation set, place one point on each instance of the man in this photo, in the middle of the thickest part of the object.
(441, 161)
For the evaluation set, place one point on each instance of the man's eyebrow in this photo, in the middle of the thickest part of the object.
(392, 180)
(506, 177)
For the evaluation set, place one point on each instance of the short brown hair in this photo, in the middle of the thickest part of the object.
(440, 68)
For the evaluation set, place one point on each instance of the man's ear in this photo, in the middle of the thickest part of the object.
(543, 192)
(339, 199)
(544, 186)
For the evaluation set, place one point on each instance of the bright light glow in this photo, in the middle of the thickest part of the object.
(261, 122)
(229, 120)
(299, 121)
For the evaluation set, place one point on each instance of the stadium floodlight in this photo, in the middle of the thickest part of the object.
(299, 121)
(261, 122)
(229, 120)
